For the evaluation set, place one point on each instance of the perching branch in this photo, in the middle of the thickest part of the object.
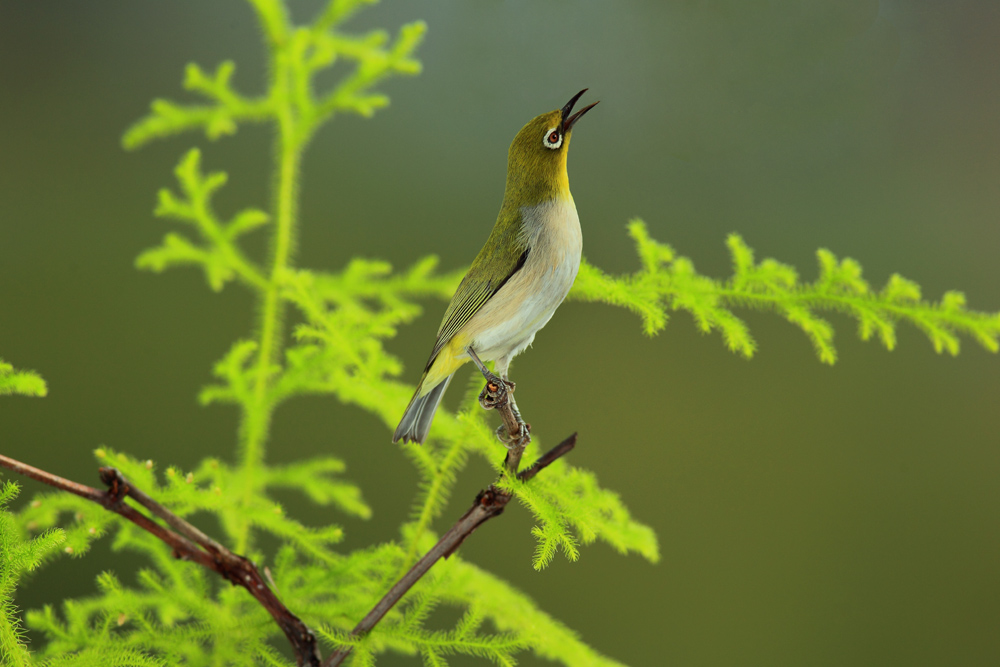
(188, 543)
(489, 503)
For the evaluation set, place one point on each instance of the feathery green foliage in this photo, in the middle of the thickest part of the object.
(18, 555)
(668, 281)
(176, 613)
(26, 383)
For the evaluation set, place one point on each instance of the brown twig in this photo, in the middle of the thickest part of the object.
(489, 503)
(188, 543)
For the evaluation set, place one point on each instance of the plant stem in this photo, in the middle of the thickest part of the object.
(272, 308)
(256, 418)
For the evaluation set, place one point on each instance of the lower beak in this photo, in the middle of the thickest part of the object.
(568, 121)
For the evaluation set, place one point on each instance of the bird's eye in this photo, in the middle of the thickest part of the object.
(552, 139)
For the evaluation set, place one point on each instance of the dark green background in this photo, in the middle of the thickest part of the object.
(807, 514)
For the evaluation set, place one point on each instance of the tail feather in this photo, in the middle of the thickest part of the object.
(416, 421)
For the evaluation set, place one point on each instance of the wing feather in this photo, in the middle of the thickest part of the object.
(489, 272)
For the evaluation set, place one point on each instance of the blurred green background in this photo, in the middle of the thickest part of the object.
(807, 514)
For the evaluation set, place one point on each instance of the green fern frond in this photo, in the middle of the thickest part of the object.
(340, 591)
(236, 371)
(464, 639)
(217, 254)
(303, 53)
(670, 281)
(348, 313)
(374, 64)
(18, 556)
(106, 656)
(313, 477)
(513, 613)
(175, 615)
(218, 118)
(166, 619)
(25, 383)
(572, 508)
(88, 521)
(405, 633)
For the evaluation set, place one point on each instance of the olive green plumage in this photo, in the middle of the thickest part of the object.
(523, 272)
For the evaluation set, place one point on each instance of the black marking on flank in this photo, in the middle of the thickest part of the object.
(517, 267)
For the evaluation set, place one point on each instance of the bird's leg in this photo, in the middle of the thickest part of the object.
(498, 394)
(515, 432)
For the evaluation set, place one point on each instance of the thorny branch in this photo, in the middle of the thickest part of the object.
(188, 543)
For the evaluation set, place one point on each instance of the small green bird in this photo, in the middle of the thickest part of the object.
(520, 276)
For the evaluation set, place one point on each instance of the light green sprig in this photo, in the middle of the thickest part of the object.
(217, 254)
(512, 611)
(25, 383)
(300, 54)
(409, 636)
(668, 281)
(18, 556)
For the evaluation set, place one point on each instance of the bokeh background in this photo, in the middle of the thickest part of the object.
(807, 514)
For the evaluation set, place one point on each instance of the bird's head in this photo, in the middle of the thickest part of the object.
(536, 161)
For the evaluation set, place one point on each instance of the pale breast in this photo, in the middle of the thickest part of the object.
(510, 319)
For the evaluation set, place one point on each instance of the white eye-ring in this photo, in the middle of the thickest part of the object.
(553, 138)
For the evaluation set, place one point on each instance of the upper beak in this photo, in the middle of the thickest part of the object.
(567, 120)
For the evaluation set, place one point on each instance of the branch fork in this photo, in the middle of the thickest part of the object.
(188, 543)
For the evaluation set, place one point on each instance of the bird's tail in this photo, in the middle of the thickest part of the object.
(416, 421)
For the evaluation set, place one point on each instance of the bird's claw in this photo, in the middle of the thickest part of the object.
(497, 395)
(514, 441)
(494, 394)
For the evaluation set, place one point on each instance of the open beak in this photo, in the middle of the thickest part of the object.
(569, 121)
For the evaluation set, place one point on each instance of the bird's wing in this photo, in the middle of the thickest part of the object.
(489, 272)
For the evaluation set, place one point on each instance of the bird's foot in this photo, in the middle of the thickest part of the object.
(496, 393)
(519, 439)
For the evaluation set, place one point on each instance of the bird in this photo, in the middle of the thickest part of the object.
(520, 276)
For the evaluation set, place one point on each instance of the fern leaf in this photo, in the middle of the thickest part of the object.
(514, 614)
(314, 478)
(217, 253)
(218, 119)
(17, 557)
(374, 64)
(666, 280)
(25, 383)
